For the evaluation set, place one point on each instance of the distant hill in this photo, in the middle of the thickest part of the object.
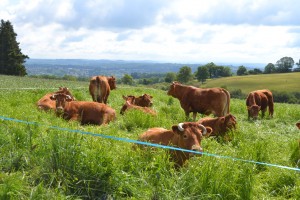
(87, 68)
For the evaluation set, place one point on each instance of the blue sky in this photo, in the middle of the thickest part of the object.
(186, 31)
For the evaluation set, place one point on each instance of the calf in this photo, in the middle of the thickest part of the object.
(45, 103)
(129, 106)
(186, 135)
(220, 125)
(145, 100)
(259, 100)
(83, 111)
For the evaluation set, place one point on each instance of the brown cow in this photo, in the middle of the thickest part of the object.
(220, 125)
(205, 101)
(145, 100)
(83, 111)
(259, 100)
(45, 103)
(100, 87)
(129, 106)
(186, 135)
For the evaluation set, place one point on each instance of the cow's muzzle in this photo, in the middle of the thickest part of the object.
(197, 149)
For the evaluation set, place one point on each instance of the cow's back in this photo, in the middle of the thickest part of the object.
(45, 103)
(99, 89)
(207, 101)
(95, 113)
(157, 135)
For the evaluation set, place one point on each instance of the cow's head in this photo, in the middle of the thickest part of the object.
(253, 111)
(171, 91)
(112, 82)
(61, 100)
(229, 121)
(66, 91)
(145, 100)
(126, 105)
(298, 125)
(190, 135)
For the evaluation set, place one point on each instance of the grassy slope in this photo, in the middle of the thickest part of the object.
(288, 82)
(43, 163)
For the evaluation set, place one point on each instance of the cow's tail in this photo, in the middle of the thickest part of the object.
(98, 89)
(227, 105)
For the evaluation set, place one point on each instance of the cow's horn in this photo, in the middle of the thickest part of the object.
(204, 131)
(180, 127)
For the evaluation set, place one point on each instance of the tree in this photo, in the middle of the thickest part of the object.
(185, 74)
(127, 79)
(202, 73)
(285, 64)
(170, 77)
(270, 68)
(242, 70)
(11, 58)
(297, 69)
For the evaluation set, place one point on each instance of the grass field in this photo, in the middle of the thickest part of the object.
(284, 82)
(43, 161)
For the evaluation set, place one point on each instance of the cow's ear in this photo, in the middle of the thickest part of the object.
(209, 130)
(176, 130)
(68, 98)
(223, 119)
(53, 97)
(248, 107)
(125, 98)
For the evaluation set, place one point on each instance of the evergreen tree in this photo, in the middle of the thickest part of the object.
(11, 58)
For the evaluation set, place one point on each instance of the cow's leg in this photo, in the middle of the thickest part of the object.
(263, 113)
(194, 115)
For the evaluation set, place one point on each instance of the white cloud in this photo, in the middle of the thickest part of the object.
(173, 31)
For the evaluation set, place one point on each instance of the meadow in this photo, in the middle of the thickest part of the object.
(55, 159)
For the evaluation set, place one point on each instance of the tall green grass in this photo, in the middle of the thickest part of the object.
(39, 162)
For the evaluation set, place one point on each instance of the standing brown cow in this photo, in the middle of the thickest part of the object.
(220, 125)
(83, 111)
(205, 101)
(259, 100)
(186, 135)
(100, 87)
(45, 103)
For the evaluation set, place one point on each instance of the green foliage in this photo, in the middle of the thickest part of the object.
(127, 79)
(202, 73)
(270, 68)
(185, 74)
(11, 57)
(170, 77)
(41, 162)
(242, 70)
(285, 64)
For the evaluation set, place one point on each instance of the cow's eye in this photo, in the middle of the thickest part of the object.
(185, 136)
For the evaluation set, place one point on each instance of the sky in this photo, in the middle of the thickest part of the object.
(176, 31)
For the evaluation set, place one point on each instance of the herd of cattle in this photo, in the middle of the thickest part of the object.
(187, 135)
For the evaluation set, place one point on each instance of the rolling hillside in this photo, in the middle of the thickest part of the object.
(285, 82)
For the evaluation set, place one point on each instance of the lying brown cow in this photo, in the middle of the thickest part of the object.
(145, 100)
(45, 103)
(83, 111)
(205, 101)
(129, 106)
(220, 125)
(259, 100)
(186, 135)
(100, 87)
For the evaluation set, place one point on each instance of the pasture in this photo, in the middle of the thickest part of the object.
(47, 160)
(283, 82)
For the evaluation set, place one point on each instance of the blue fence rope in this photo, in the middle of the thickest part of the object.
(148, 144)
